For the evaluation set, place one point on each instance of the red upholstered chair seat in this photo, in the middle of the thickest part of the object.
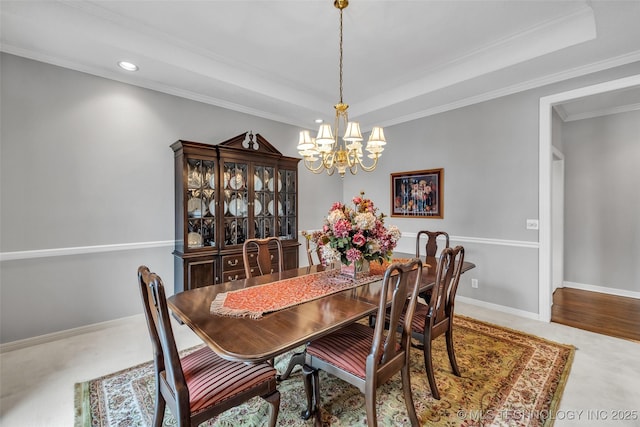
(212, 380)
(346, 348)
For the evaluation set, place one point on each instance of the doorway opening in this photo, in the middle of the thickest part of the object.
(545, 186)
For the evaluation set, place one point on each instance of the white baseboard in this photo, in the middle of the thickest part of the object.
(602, 289)
(497, 307)
(54, 336)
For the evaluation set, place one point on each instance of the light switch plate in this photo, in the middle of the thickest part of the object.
(532, 224)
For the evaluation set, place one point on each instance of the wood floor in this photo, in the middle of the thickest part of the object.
(597, 312)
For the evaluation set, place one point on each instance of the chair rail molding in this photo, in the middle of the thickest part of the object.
(82, 250)
(468, 239)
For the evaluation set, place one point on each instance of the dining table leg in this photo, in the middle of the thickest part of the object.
(296, 359)
(311, 382)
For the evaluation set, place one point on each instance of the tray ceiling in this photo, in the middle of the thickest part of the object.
(279, 59)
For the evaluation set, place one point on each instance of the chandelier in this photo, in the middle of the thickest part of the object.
(326, 152)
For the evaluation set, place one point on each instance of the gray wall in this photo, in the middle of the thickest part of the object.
(86, 162)
(489, 155)
(602, 201)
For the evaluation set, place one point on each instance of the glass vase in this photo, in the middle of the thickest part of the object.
(357, 269)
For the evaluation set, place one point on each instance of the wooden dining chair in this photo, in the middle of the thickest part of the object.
(431, 249)
(201, 385)
(431, 246)
(264, 256)
(436, 319)
(310, 251)
(368, 357)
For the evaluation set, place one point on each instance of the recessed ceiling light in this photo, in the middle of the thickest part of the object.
(319, 120)
(127, 66)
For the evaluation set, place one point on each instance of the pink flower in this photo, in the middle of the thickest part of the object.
(342, 228)
(353, 255)
(359, 239)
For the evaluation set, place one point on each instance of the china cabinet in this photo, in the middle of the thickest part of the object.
(224, 194)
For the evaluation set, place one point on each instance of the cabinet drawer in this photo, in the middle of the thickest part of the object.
(230, 275)
(232, 262)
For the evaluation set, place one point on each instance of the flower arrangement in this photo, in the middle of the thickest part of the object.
(353, 234)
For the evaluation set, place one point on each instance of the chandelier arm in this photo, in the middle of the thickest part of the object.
(326, 162)
(310, 165)
(371, 167)
(329, 160)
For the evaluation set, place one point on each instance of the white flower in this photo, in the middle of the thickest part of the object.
(394, 233)
(334, 216)
(329, 254)
(365, 221)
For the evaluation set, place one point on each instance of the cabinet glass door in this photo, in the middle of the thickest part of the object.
(288, 208)
(236, 203)
(264, 204)
(200, 203)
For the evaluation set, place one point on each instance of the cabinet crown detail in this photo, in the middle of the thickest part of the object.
(226, 193)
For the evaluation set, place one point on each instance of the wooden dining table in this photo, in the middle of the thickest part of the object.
(254, 340)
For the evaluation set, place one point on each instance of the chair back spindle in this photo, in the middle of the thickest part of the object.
(264, 256)
(396, 287)
(431, 247)
(447, 278)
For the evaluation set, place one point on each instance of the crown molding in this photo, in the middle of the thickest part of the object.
(602, 112)
(521, 87)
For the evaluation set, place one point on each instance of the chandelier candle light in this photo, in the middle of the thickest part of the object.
(326, 152)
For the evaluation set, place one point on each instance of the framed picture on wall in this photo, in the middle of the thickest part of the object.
(417, 194)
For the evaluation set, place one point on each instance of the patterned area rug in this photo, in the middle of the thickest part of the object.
(508, 379)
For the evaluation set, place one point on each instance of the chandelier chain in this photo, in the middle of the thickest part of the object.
(340, 56)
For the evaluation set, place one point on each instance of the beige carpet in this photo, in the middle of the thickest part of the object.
(508, 379)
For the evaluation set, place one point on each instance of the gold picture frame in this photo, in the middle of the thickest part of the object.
(417, 194)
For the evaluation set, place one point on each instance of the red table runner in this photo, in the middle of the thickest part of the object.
(256, 301)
